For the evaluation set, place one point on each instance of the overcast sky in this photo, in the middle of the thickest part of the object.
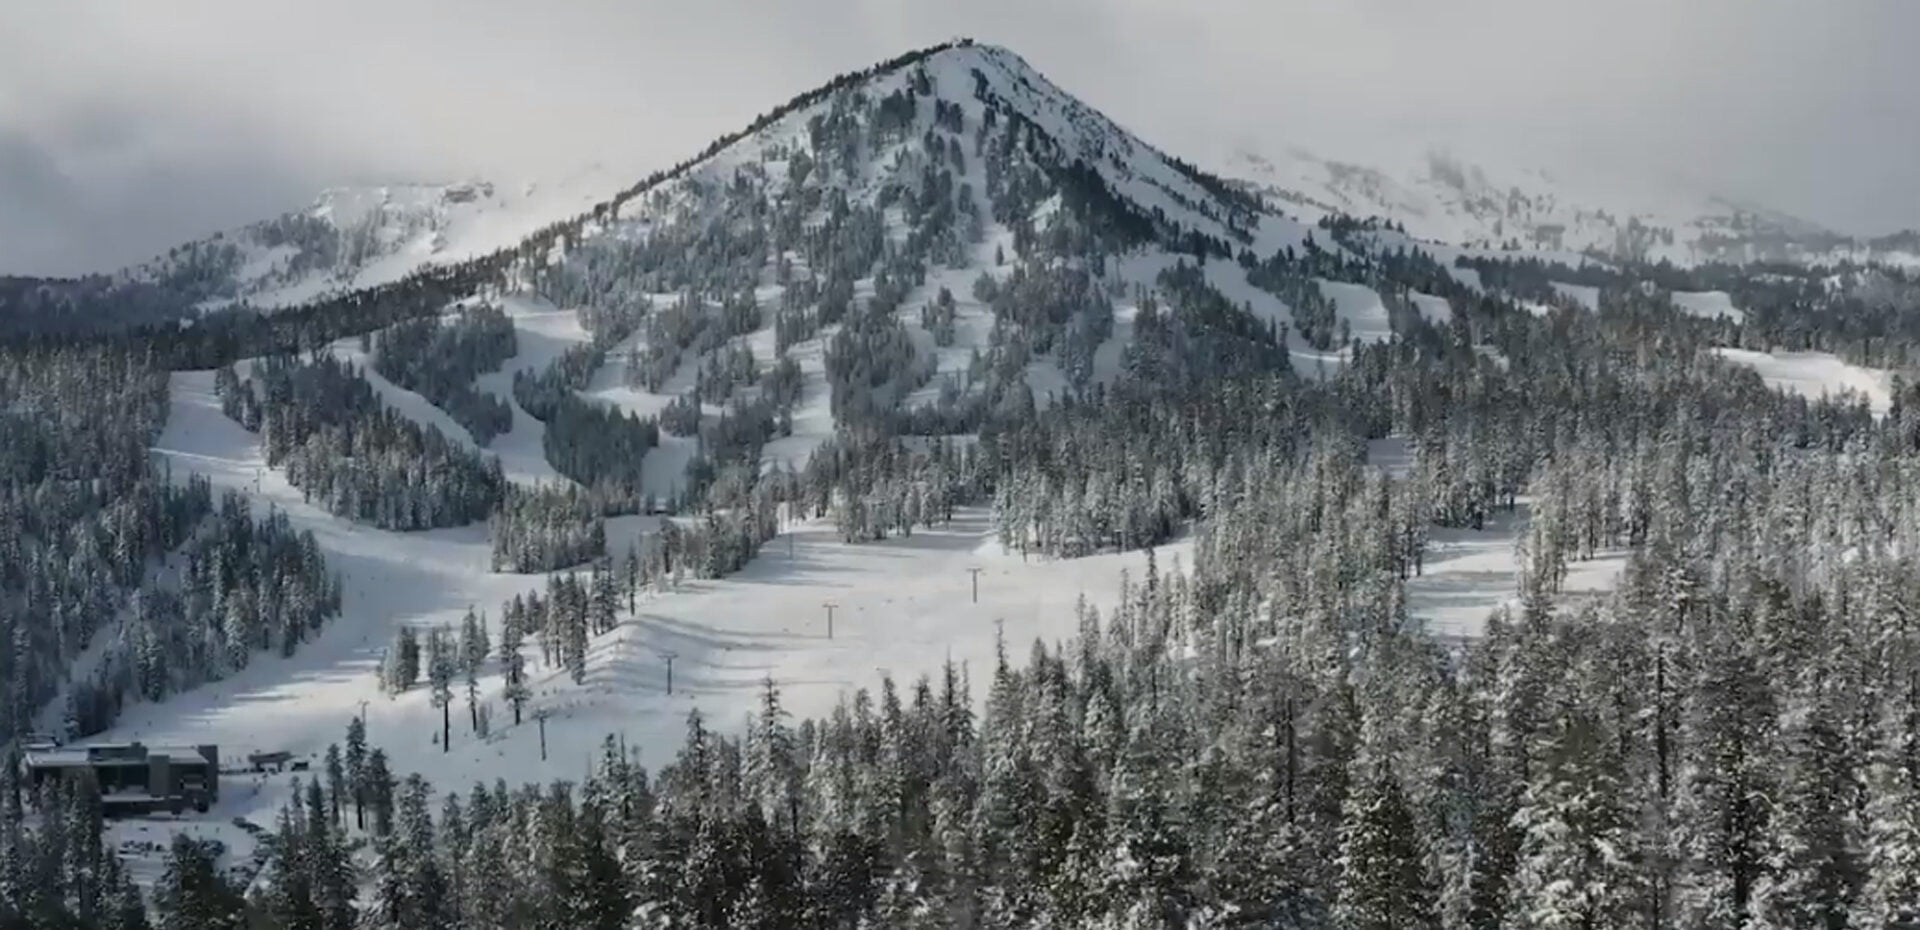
(126, 127)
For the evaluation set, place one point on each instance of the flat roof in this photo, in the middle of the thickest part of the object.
(81, 756)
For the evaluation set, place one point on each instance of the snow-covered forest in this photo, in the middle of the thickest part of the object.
(439, 361)
(940, 286)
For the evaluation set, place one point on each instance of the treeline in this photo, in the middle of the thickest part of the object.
(360, 459)
(245, 586)
(439, 358)
(884, 488)
(84, 515)
(449, 659)
(59, 871)
(546, 528)
(601, 447)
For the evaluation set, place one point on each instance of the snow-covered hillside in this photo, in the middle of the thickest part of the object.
(1444, 197)
(356, 237)
(1816, 375)
(901, 605)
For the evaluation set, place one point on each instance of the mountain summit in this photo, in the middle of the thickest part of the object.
(358, 237)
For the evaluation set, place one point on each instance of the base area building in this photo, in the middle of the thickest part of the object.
(134, 778)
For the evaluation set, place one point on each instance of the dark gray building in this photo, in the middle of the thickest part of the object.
(134, 778)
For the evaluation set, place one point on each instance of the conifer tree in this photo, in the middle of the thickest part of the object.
(1383, 878)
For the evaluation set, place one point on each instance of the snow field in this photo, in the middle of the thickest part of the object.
(419, 225)
(1587, 297)
(1707, 304)
(1435, 310)
(903, 605)
(1469, 574)
(1817, 374)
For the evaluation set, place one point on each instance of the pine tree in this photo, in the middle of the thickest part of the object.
(1576, 863)
(406, 660)
(290, 903)
(191, 894)
(379, 791)
(357, 776)
(1721, 821)
(336, 783)
(441, 662)
(473, 658)
(1383, 879)
(1892, 888)
(517, 693)
(592, 891)
(1813, 874)
(575, 633)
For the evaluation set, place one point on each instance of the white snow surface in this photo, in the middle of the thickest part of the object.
(1469, 574)
(1360, 307)
(1817, 374)
(1587, 297)
(381, 233)
(1485, 201)
(1708, 304)
(902, 605)
(1435, 310)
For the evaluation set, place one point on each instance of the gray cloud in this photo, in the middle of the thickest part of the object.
(125, 128)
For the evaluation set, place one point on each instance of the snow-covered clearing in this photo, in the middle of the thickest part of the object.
(1587, 297)
(1435, 310)
(411, 226)
(1361, 308)
(1708, 304)
(1817, 374)
(1471, 573)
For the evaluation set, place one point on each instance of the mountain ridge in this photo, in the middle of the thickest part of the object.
(1444, 197)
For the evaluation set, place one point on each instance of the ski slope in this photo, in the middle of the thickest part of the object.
(1435, 310)
(359, 237)
(1817, 374)
(1707, 304)
(901, 606)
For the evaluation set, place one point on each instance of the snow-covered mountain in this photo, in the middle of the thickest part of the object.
(1441, 196)
(824, 234)
(355, 237)
(358, 237)
(928, 353)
